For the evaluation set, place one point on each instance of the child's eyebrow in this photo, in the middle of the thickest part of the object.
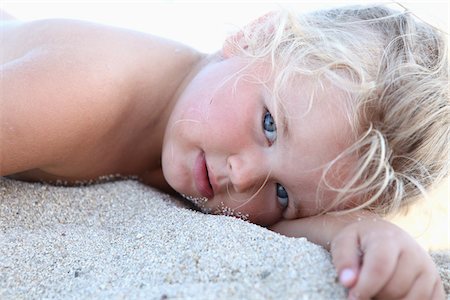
(285, 125)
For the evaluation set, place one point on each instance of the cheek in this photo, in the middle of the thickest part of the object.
(173, 166)
(186, 125)
(229, 125)
(260, 209)
(223, 127)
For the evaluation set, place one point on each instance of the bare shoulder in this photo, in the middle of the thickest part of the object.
(67, 85)
(93, 42)
(49, 47)
(54, 96)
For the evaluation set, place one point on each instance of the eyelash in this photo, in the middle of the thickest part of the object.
(280, 190)
(270, 139)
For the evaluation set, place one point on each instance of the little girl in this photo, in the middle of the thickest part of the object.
(311, 125)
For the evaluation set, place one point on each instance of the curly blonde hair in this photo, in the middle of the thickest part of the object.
(395, 67)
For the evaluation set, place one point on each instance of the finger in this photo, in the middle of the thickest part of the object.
(438, 290)
(408, 268)
(376, 269)
(423, 288)
(346, 254)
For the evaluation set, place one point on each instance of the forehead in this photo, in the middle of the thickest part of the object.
(316, 108)
(317, 117)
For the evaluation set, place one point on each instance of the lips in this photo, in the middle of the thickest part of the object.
(201, 177)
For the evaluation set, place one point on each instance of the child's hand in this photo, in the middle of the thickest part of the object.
(375, 258)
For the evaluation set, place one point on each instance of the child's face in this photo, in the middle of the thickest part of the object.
(228, 145)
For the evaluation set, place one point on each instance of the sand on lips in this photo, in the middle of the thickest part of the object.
(126, 240)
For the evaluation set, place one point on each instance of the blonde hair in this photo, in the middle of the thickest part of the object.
(395, 68)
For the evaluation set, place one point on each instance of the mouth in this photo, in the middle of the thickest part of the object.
(201, 178)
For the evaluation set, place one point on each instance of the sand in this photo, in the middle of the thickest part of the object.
(125, 240)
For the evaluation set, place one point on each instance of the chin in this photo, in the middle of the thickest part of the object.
(168, 174)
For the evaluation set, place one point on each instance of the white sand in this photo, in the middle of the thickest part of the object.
(126, 240)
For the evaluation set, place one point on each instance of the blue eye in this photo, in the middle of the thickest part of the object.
(269, 127)
(282, 196)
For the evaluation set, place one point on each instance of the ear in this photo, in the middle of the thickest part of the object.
(237, 41)
(232, 44)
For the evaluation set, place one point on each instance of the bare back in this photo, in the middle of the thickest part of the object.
(82, 100)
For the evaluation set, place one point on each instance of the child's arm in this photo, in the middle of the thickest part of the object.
(372, 257)
(320, 229)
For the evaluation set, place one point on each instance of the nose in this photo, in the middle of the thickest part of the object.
(247, 171)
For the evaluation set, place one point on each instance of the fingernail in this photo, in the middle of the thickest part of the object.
(346, 277)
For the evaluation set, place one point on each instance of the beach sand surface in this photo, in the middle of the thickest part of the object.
(123, 239)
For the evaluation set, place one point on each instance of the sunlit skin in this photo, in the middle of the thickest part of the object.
(82, 100)
(225, 121)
